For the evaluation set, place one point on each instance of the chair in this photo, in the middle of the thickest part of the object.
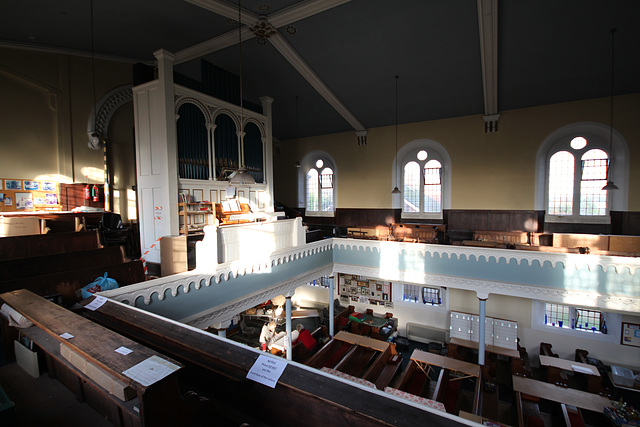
(113, 232)
(247, 330)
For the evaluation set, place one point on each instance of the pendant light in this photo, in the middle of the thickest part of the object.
(610, 185)
(241, 177)
(396, 190)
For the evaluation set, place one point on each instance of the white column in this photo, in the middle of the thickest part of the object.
(481, 325)
(288, 311)
(222, 333)
(211, 128)
(331, 307)
(267, 161)
(156, 158)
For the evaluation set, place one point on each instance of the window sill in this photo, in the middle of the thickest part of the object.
(418, 215)
(578, 333)
(319, 213)
(606, 219)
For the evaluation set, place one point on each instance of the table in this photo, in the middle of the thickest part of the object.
(470, 369)
(569, 365)
(569, 396)
(362, 341)
(371, 320)
(487, 347)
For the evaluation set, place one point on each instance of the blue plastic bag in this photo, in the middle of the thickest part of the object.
(103, 283)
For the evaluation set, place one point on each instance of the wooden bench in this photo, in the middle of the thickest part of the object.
(88, 365)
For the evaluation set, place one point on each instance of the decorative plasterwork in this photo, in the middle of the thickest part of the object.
(487, 287)
(99, 124)
(212, 108)
(262, 30)
(220, 313)
(620, 265)
(190, 100)
(194, 280)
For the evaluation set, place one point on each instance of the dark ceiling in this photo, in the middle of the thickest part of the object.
(549, 51)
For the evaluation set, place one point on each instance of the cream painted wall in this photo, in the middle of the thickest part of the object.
(510, 308)
(489, 171)
(46, 102)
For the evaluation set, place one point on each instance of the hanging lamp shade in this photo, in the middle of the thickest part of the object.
(242, 177)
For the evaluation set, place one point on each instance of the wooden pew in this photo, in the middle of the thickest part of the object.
(57, 263)
(89, 366)
(222, 366)
(67, 283)
(46, 244)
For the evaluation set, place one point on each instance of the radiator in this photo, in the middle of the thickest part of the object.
(426, 334)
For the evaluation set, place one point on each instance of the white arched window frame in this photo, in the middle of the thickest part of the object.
(317, 185)
(577, 175)
(430, 179)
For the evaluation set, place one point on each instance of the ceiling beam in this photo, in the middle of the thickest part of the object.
(226, 9)
(212, 45)
(488, 27)
(283, 46)
(278, 19)
(302, 10)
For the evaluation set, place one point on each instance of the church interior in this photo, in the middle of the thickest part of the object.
(241, 212)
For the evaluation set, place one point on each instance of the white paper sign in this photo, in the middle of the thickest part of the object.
(267, 370)
(97, 302)
(151, 370)
(66, 335)
(123, 350)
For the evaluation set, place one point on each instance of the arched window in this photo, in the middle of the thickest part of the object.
(425, 169)
(576, 178)
(317, 176)
(572, 165)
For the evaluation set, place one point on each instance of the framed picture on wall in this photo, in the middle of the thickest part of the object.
(630, 334)
(48, 186)
(24, 201)
(364, 290)
(378, 286)
(343, 289)
(32, 185)
(353, 290)
(11, 184)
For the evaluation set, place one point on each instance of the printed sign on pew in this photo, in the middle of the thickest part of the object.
(267, 370)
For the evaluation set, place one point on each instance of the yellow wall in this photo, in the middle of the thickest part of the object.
(489, 171)
(44, 110)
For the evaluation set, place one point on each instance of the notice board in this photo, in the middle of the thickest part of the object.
(630, 334)
(29, 195)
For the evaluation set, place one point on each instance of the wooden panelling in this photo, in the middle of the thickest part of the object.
(516, 220)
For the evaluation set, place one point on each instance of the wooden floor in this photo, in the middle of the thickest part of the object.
(44, 401)
(47, 402)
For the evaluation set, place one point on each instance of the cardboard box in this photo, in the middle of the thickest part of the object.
(19, 226)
